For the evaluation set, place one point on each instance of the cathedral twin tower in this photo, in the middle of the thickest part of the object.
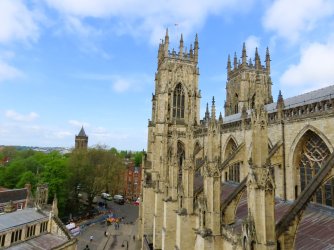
(182, 170)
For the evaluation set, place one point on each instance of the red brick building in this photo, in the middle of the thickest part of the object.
(132, 180)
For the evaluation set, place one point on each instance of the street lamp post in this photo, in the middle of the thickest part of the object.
(127, 244)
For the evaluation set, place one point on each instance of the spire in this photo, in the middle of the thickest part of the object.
(268, 61)
(250, 63)
(82, 132)
(280, 100)
(191, 51)
(196, 48)
(207, 114)
(244, 55)
(235, 61)
(257, 59)
(181, 46)
(220, 117)
(228, 64)
(166, 42)
(213, 109)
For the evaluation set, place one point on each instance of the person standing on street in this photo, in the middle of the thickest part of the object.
(91, 238)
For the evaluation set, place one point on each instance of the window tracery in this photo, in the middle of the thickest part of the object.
(178, 102)
(313, 153)
(233, 173)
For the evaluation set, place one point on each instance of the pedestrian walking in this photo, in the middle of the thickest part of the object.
(106, 233)
(86, 248)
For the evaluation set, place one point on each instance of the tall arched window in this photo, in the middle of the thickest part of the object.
(236, 104)
(180, 159)
(313, 152)
(178, 102)
(234, 169)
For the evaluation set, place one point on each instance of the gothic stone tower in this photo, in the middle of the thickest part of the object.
(81, 140)
(175, 110)
(240, 87)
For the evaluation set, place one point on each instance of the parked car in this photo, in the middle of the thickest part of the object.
(106, 196)
(137, 202)
(119, 199)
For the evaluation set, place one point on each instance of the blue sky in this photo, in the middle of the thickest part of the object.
(68, 63)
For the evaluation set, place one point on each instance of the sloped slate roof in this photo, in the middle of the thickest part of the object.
(13, 195)
(44, 241)
(295, 101)
(82, 132)
(20, 217)
(307, 98)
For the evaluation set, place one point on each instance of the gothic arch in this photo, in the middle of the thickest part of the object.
(309, 154)
(301, 134)
(293, 148)
(230, 139)
(232, 172)
(179, 102)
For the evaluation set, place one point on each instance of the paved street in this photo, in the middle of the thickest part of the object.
(115, 239)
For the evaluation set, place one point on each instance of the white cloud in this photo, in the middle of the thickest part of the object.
(17, 22)
(13, 115)
(149, 17)
(8, 72)
(62, 134)
(252, 42)
(75, 25)
(119, 83)
(315, 68)
(291, 18)
(77, 123)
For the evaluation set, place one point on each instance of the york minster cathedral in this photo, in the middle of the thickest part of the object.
(259, 177)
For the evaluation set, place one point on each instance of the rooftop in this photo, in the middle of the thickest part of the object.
(45, 241)
(292, 102)
(13, 195)
(20, 217)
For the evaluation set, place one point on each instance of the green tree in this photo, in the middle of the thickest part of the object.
(138, 156)
(27, 177)
(95, 170)
(55, 174)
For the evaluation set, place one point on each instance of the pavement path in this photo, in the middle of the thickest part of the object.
(124, 235)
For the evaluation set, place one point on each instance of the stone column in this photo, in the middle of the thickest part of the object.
(169, 225)
(158, 220)
(185, 235)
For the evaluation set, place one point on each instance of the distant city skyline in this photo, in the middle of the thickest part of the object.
(65, 64)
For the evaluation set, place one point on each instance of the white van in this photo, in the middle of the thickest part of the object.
(119, 199)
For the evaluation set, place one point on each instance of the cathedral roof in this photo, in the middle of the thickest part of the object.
(318, 95)
(306, 98)
(82, 132)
